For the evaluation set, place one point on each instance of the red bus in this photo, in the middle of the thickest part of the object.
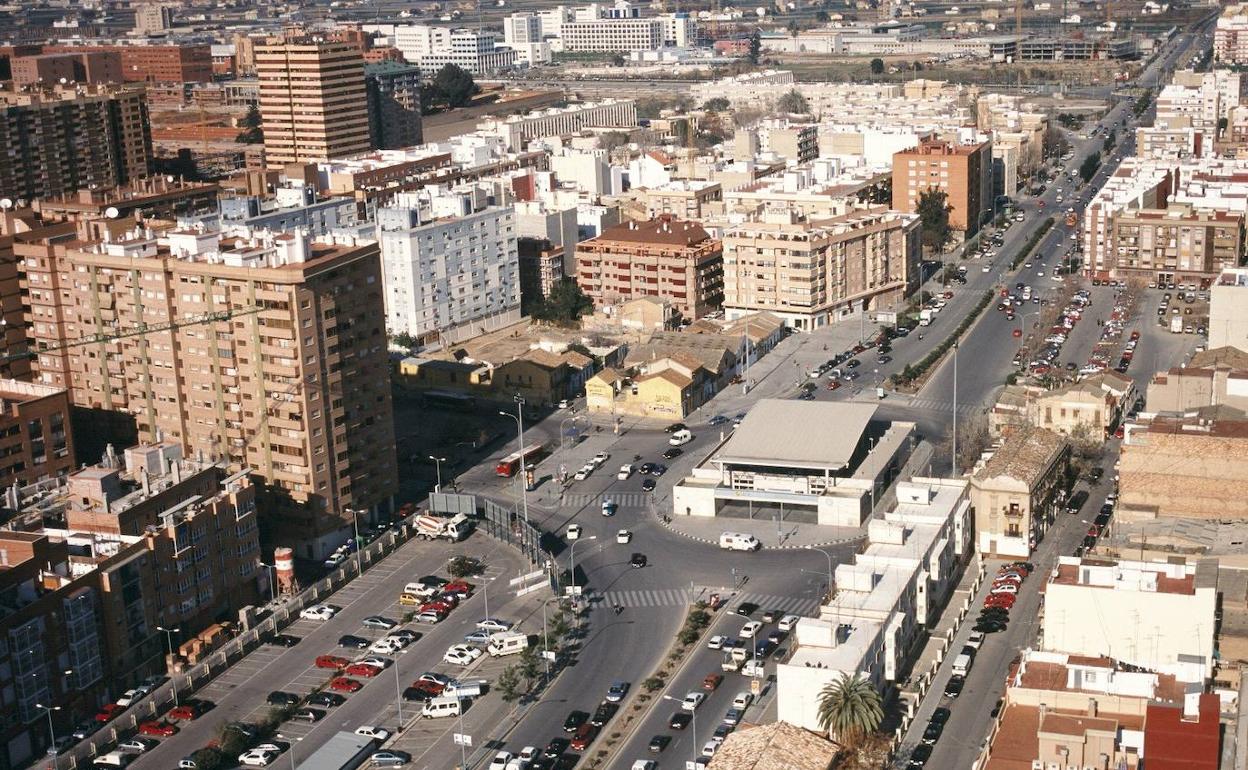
(510, 465)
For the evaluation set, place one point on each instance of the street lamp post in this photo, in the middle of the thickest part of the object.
(564, 422)
(51, 732)
(169, 632)
(398, 691)
(355, 525)
(291, 750)
(694, 726)
(572, 556)
(272, 581)
(438, 463)
(524, 476)
(829, 557)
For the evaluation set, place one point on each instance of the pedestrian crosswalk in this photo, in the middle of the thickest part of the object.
(621, 499)
(676, 597)
(937, 405)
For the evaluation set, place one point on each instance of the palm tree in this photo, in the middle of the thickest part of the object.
(849, 708)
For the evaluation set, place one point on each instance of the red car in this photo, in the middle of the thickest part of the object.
(108, 711)
(344, 684)
(428, 689)
(332, 661)
(158, 729)
(833, 384)
(439, 607)
(447, 598)
(186, 711)
(1004, 601)
(362, 669)
(461, 588)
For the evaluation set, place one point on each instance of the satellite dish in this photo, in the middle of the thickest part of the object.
(6, 203)
(111, 212)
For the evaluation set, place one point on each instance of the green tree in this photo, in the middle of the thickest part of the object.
(1090, 164)
(530, 664)
(404, 339)
(717, 104)
(793, 102)
(252, 132)
(565, 305)
(850, 709)
(454, 86)
(934, 217)
(756, 48)
(822, 17)
(877, 66)
(508, 684)
(1222, 124)
(618, 60)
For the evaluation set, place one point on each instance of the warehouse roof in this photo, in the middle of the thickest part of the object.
(798, 434)
(776, 746)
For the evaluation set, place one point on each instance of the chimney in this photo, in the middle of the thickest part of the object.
(1092, 707)
(143, 482)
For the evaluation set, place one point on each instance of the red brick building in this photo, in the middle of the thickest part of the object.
(155, 63)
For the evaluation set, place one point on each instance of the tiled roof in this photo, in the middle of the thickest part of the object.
(669, 375)
(663, 230)
(775, 746)
(1025, 455)
(1226, 356)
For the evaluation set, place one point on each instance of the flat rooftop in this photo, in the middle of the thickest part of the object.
(798, 434)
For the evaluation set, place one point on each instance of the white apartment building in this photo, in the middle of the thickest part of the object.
(431, 48)
(1159, 616)
(517, 130)
(522, 32)
(613, 35)
(884, 597)
(1228, 310)
(752, 88)
(449, 262)
(1161, 143)
(1230, 36)
(1198, 99)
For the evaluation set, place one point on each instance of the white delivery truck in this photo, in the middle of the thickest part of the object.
(454, 529)
(925, 316)
(442, 706)
(507, 643)
(680, 437)
(962, 664)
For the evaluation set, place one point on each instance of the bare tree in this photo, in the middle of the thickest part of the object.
(973, 439)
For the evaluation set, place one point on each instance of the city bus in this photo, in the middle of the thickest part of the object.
(510, 465)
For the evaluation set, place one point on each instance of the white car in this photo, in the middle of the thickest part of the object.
(692, 700)
(379, 734)
(386, 646)
(256, 758)
(461, 654)
(574, 532)
(601, 458)
(316, 612)
(750, 629)
(976, 639)
(376, 662)
(130, 697)
(742, 701)
(608, 507)
(500, 760)
(1005, 588)
(625, 472)
(623, 537)
(709, 748)
(716, 642)
(136, 745)
(494, 625)
(788, 622)
(584, 472)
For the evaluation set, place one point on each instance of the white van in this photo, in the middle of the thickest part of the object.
(468, 689)
(442, 706)
(420, 590)
(962, 664)
(739, 541)
(681, 437)
(114, 759)
(507, 644)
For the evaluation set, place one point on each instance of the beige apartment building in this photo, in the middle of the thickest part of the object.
(665, 257)
(1086, 410)
(1228, 310)
(35, 438)
(809, 272)
(1176, 244)
(962, 171)
(262, 351)
(313, 100)
(1016, 491)
(1218, 376)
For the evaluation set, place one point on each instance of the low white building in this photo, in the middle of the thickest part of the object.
(1159, 616)
(883, 599)
(517, 130)
(449, 262)
(432, 47)
(816, 462)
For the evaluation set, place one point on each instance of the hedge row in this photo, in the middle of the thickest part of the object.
(914, 371)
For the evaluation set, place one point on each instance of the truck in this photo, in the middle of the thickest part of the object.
(733, 659)
(1176, 324)
(507, 643)
(454, 529)
(925, 316)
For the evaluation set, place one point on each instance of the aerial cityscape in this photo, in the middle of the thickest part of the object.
(448, 385)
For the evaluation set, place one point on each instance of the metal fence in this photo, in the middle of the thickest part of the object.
(185, 683)
(506, 525)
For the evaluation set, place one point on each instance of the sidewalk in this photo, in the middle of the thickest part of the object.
(770, 532)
